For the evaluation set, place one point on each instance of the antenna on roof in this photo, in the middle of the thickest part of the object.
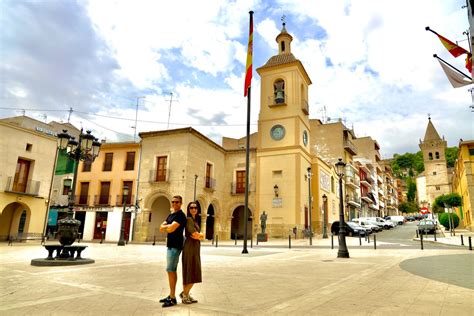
(136, 118)
(169, 109)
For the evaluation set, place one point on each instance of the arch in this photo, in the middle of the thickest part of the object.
(430, 156)
(159, 211)
(437, 155)
(14, 219)
(279, 91)
(237, 224)
(210, 222)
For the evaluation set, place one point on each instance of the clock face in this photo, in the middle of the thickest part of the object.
(305, 138)
(277, 132)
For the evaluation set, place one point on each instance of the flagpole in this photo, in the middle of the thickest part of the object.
(247, 155)
(444, 61)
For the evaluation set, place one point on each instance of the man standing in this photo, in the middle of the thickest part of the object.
(174, 225)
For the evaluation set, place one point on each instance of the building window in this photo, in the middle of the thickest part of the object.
(86, 166)
(67, 184)
(438, 188)
(21, 175)
(108, 162)
(282, 46)
(471, 151)
(434, 173)
(430, 156)
(128, 200)
(437, 155)
(279, 91)
(161, 164)
(240, 182)
(104, 193)
(84, 195)
(208, 175)
(130, 163)
(29, 147)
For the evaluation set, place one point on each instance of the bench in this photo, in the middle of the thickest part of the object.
(64, 252)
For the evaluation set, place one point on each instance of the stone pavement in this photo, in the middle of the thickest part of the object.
(271, 279)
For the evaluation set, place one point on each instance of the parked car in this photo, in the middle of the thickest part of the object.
(352, 229)
(397, 218)
(368, 224)
(427, 225)
(386, 224)
(410, 218)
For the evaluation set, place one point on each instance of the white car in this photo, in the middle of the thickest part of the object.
(366, 224)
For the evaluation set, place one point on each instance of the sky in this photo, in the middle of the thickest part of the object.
(182, 63)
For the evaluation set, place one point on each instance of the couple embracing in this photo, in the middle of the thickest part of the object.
(174, 225)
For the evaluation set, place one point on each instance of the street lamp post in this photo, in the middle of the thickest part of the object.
(325, 201)
(309, 207)
(342, 252)
(195, 180)
(121, 241)
(86, 149)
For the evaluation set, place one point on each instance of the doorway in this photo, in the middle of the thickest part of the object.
(237, 225)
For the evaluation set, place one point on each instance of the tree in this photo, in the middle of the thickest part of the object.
(408, 207)
(444, 219)
(451, 156)
(411, 190)
(450, 200)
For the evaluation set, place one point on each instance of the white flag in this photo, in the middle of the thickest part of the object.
(457, 79)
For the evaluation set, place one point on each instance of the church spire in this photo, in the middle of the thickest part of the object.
(431, 133)
(284, 40)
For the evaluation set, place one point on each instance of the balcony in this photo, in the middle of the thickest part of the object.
(365, 182)
(101, 200)
(157, 176)
(379, 179)
(31, 187)
(381, 204)
(305, 107)
(350, 147)
(367, 199)
(381, 192)
(237, 188)
(274, 102)
(353, 199)
(81, 200)
(210, 184)
(121, 199)
(352, 181)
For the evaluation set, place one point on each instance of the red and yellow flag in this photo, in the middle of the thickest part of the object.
(469, 62)
(248, 68)
(454, 49)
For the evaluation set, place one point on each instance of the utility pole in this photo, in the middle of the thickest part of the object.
(136, 119)
(169, 109)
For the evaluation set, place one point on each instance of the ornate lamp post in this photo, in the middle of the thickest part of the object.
(342, 252)
(325, 201)
(121, 241)
(86, 149)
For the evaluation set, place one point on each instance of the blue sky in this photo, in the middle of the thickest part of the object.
(370, 63)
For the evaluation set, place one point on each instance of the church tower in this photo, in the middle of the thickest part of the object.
(283, 154)
(436, 170)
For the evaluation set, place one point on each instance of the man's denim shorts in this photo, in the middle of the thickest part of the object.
(172, 259)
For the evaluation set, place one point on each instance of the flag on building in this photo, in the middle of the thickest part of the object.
(457, 78)
(454, 49)
(248, 68)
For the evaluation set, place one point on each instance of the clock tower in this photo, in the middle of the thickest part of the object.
(283, 153)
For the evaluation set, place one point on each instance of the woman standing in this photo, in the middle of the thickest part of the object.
(191, 254)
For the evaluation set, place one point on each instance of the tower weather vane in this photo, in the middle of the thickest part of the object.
(283, 19)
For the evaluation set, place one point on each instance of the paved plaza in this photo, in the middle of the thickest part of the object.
(271, 279)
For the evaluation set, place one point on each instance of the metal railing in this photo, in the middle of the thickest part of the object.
(210, 183)
(240, 189)
(31, 187)
(101, 199)
(353, 181)
(163, 176)
(124, 199)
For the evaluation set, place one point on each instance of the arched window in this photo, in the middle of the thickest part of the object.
(437, 155)
(282, 46)
(279, 91)
(430, 156)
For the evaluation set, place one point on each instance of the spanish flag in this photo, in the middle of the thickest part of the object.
(248, 71)
(454, 49)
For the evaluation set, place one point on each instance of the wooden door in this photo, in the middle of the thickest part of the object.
(21, 175)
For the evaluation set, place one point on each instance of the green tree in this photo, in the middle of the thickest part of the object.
(450, 200)
(418, 162)
(411, 190)
(451, 156)
(408, 207)
(444, 219)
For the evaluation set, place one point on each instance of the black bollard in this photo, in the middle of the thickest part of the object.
(462, 240)
(421, 241)
(289, 241)
(102, 238)
(217, 240)
(368, 239)
(417, 233)
(375, 241)
(257, 241)
(360, 240)
(470, 244)
(235, 239)
(332, 241)
(435, 235)
(212, 241)
(251, 242)
(154, 240)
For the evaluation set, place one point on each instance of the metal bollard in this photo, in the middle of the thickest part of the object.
(417, 233)
(435, 235)
(212, 241)
(235, 239)
(421, 241)
(102, 238)
(217, 240)
(375, 241)
(251, 242)
(470, 244)
(462, 240)
(368, 239)
(257, 240)
(360, 240)
(332, 241)
(289, 241)
(154, 240)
